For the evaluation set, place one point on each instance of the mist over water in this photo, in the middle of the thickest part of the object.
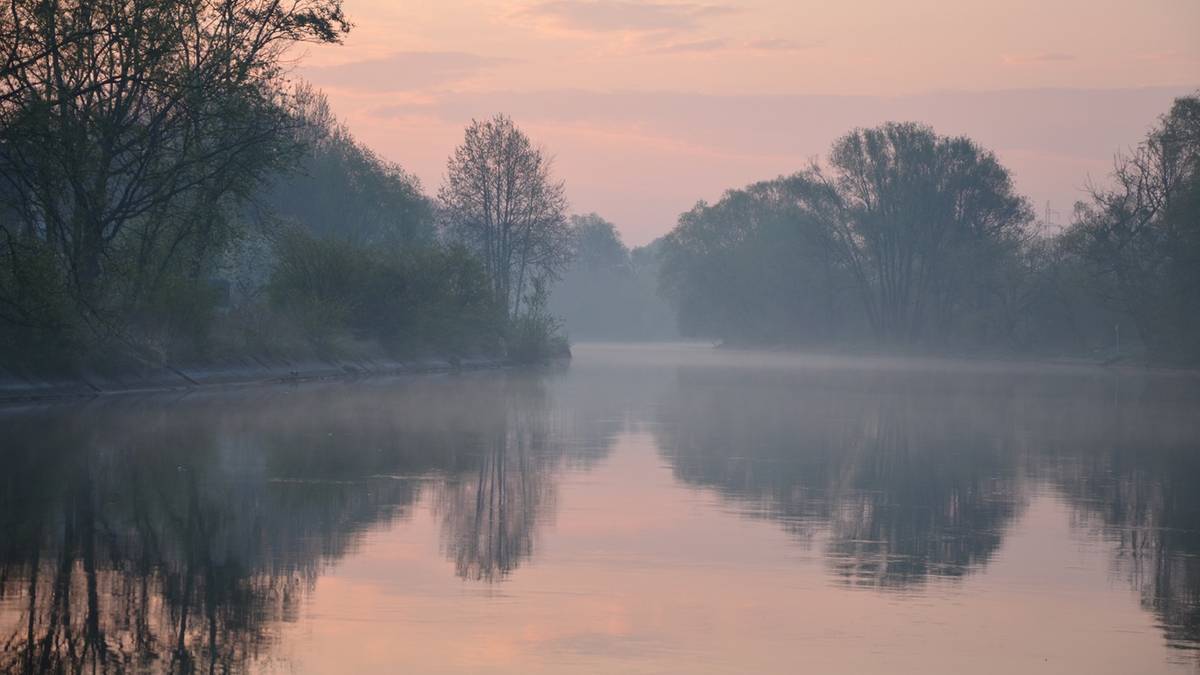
(650, 508)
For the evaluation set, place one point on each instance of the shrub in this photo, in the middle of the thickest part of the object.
(317, 283)
(39, 327)
(535, 333)
(425, 298)
(175, 319)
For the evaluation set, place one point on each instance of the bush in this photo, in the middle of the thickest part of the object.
(535, 334)
(175, 320)
(316, 283)
(426, 298)
(39, 327)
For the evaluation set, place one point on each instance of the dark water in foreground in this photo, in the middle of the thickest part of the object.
(649, 509)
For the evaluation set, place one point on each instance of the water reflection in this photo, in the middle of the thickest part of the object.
(491, 515)
(161, 534)
(127, 558)
(914, 474)
(176, 534)
(907, 482)
(1136, 482)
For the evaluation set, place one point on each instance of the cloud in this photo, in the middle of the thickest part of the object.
(1046, 119)
(402, 71)
(602, 16)
(779, 45)
(1032, 59)
(1173, 56)
(642, 157)
(718, 45)
(697, 46)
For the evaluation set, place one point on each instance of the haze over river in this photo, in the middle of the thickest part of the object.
(646, 509)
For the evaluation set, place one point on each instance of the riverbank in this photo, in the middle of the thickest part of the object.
(247, 371)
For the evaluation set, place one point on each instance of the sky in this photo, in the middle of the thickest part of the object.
(650, 106)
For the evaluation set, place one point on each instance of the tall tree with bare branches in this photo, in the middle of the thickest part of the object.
(500, 198)
(1140, 237)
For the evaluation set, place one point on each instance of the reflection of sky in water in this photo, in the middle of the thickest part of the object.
(650, 510)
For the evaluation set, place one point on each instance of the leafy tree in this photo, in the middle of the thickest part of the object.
(341, 188)
(917, 215)
(609, 291)
(598, 245)
(917, 225)
(406, 300)
(758, 266)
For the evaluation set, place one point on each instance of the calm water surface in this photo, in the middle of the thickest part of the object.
(650, 509)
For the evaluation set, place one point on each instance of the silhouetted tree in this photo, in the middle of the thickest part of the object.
(342, 189)
(911, 474)
(609, 291)
(759, 265)
(919, 217)
(1141, 238)
(918, 224)
(500, 198)
(125, 127)
(134, 540)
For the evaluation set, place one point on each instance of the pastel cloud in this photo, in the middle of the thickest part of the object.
(601, 16)
(782, 45)
(719, 45)
(403, 71)
(693, 47)
(642, 157)
(1033, 59)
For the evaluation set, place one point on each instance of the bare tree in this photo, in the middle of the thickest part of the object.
(500, 199)
(1141, 237)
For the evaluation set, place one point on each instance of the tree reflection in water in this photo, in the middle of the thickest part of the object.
(133, 552)
(163, 535)
(918, 474)
(905, 487)
(1135, 479)
(492, 514)
(158, 534)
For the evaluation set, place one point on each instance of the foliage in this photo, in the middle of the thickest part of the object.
(123, 124)
(406, 300)
(38, 329)
(908, 237)
(1140, 239)
(609, 291)
(755, 267)
(916, 217)
(341, 188)
(130, 135)
(534, 333)
(597, 244)
(167, 195)
(903, 237)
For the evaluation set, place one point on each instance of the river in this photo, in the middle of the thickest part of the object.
(646, 509)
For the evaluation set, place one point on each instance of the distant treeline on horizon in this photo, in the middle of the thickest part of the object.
(905, 237)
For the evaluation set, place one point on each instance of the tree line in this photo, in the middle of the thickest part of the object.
(609, 291)
(168, 193)
(904, 237)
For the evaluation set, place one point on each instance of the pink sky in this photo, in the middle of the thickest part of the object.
(651, 106)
